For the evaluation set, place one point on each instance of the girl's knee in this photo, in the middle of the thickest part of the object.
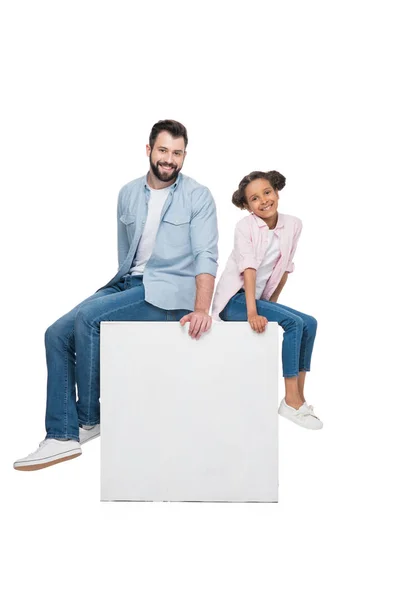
(311, 323)
(291, 322)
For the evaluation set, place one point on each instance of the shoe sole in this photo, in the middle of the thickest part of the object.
(299, 424)
(90, 438)
(47, 464)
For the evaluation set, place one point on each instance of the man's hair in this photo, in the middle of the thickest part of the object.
(275, 178)
(175, 128)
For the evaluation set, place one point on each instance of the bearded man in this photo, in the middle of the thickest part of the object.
(167, 255)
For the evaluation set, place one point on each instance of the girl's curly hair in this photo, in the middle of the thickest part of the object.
(277, 181)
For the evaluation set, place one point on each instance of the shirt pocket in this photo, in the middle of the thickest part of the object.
(176, 229)
(127, 219)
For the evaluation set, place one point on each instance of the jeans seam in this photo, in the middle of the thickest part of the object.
(66, 381)
(66, 436)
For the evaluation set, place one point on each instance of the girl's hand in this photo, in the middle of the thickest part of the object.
(257, 323)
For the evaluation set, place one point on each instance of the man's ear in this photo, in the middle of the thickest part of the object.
(148, 150)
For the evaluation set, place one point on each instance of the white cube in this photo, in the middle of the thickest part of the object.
(188, 420)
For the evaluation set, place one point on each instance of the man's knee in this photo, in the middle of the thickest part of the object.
(59, 330)
(85, 317)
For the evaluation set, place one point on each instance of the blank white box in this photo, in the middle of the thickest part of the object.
(187, 420)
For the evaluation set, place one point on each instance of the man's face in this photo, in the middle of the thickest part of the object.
(167, 156)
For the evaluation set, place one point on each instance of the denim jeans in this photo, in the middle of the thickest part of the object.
(299, 330)
(73, 353)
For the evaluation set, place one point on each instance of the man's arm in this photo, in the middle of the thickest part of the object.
(204, 292)
(123, 243)
(204, 240)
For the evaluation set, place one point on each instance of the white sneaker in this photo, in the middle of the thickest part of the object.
(304, 416)
(85, 435)
(50, 452)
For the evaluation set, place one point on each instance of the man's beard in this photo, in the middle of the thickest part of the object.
(163, 176)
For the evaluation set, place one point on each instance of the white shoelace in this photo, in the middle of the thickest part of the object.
(42, 443)
(309, 410)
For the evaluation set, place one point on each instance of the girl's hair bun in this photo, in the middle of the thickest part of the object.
(276, 179)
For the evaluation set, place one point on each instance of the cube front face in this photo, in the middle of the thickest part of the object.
(186, 420)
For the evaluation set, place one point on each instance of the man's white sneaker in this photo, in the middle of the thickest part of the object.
(50, 452)
(85, 435)
(304, 416)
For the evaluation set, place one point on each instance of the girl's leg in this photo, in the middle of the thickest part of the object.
(306, 348)
(300, 381)
(310, 325)
(293, 327)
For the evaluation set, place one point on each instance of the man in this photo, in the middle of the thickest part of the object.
(167, 253)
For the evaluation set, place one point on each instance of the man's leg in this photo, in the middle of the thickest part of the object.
(62, 441)
(61, 414)
(129, 305)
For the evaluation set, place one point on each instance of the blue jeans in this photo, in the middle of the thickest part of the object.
(299, 330)
(73, 353)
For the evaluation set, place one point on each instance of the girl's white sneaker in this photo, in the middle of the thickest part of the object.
(304, 416)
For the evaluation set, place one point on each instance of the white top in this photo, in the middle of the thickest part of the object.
(271, 257)
(146, 244)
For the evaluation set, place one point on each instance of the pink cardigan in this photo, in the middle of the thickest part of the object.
(251, 238)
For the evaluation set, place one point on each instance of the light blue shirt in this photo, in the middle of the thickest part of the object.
(185, 246)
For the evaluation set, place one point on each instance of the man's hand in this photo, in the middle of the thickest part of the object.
(257, 323)
(200, 322)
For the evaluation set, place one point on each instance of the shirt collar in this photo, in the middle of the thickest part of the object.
(261, 223)
(173, 187)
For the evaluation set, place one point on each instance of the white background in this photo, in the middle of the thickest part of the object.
(307, 88)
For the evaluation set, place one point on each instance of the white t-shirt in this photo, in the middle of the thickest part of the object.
(271, 257)
(146, 243)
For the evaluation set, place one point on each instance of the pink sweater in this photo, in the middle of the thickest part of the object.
(251, 238)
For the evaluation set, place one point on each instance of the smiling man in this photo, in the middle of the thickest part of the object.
(167, 254)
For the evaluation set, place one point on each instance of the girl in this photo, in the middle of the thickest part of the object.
(256, 272)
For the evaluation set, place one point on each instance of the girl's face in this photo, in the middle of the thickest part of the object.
(262, 199)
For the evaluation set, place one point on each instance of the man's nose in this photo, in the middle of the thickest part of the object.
(169, 158)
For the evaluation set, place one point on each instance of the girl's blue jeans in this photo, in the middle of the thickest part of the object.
(73, 353)
(299, 330)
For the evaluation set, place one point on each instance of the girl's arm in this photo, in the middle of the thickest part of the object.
(250, 291)
(274, 297)
(256, 321)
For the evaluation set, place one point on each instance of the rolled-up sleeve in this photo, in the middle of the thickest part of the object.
(243, 247)
(297, 232)
(123, 243)
(204, 233)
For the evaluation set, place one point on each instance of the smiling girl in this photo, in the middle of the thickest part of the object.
(256, 272)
